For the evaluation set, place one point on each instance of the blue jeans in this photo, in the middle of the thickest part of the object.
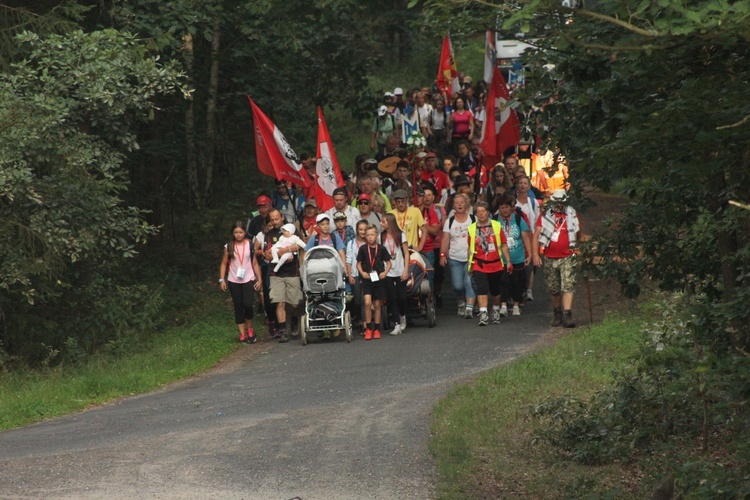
(461, 280)
(430, 257)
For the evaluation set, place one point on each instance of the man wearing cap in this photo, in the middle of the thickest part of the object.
(340, 204)
(366, 213)
(436, 177)
(390, 102)
(308, 225)
(384, 125)
(326, 237)
(557, 232)
(367, 185)
(398, 98)
(285, 286)
(257, 223)
(409, 220)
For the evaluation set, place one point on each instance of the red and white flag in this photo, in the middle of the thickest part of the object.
(504, 130)
(327, 172)
(447, 77)
(490, 56)
(276, 158)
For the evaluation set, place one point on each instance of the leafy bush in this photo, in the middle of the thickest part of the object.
(676, 391)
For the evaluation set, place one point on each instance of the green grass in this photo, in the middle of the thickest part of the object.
(482, 439)
(28, 396)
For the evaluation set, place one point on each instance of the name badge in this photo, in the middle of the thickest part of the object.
(374, 277)
(241, 273)
(555, 235)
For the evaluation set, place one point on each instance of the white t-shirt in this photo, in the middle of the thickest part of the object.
(397, 256)
(458, 248)
(531, 209)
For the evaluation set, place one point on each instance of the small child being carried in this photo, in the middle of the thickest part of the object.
(287, 239)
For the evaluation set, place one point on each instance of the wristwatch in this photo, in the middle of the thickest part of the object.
(221, 280)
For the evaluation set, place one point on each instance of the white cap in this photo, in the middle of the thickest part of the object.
(289, 228)
(559, 195)
(382, 110)
(398, 91)
(322, 217)
(388, 94)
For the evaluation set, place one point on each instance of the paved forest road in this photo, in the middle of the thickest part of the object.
(325, 421)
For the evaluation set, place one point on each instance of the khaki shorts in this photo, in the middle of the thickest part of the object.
(287, 290)
(560, 274)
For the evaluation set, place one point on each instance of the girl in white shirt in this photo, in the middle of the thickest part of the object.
(394, 240)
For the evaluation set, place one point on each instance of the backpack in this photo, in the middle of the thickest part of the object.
(453, 218)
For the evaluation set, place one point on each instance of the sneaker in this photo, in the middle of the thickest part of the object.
(376, 334)
(243, 337)
(556, 317)
(461, 309)
(504, 311)
(284, 338)
(516, 311)
(529, 295)
(484, 318)
(468, 313)
(275, 333)
(496, 313)
(251, 338)
(368, 334)
(402, 323)
(396, 330)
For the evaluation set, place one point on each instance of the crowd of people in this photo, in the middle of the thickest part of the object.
(490, 226)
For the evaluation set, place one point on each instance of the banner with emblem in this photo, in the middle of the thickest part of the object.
(275, 156)
(327, 172)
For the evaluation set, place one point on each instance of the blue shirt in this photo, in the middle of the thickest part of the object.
(513, 232)
(333, 240)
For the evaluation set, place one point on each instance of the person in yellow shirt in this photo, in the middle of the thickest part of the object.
(410, 220)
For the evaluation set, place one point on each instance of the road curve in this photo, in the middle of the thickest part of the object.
(325, 421)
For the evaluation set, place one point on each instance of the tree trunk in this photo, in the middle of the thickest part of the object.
(209, 151)
(192, 160)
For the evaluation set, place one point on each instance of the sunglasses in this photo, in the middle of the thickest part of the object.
(364, 202)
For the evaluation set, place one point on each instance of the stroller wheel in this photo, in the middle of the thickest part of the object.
(303, 329)
(348, 326)
(431, 314)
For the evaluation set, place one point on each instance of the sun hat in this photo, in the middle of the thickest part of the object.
(364, 197)
(560, 195)
(398, 91)
(382, 110)
(322, 217)
(311, 203)
(462, 180)
(288, 227)
(339, 216)
(400, 194)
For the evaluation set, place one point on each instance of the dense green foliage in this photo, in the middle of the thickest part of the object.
(649, 98)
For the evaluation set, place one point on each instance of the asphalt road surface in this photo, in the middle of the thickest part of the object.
(325, 421)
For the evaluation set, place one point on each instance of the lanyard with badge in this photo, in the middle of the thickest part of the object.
(559, 221)
(485, 233)
(508, 236)
(241, 270)
(373, 273)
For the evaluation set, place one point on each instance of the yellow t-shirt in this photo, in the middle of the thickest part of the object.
(410, 222)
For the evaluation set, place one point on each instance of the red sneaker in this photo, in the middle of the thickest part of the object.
(251, 338)
(376, 334)
(368, 334)
(242, 337)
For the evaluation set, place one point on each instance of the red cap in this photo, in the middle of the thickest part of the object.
(431, 155)
(364, 196)
(263, 200)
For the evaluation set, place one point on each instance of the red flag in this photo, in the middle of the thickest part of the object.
(276, 158)
(327, 172)
(447, 77)
(504, 130)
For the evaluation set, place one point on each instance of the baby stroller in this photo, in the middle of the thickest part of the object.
(325, 293)
(419, 300)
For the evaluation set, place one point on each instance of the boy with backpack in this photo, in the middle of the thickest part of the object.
(518, 236)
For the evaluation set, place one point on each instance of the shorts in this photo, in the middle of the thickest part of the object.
(376, 290)
(487, 283)
(287, 290)
(560, 274)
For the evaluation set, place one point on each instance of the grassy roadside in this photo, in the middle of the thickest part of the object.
(482, 439)
(28, 396)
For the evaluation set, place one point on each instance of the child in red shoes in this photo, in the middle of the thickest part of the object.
(373, 263)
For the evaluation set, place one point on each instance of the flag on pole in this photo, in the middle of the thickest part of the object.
(504, 130)
(327, 172)
(447, 78)
(490, 56)
(409, 125)
(276, 158)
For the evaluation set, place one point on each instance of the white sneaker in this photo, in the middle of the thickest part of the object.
(402, 323)
(504, 311)
(529, 295)
(496, 316)
(469, 313)
(484, 318)
(516, 311)
(461, 309)
(396, 330)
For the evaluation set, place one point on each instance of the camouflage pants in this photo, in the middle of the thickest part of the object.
(560, 274)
